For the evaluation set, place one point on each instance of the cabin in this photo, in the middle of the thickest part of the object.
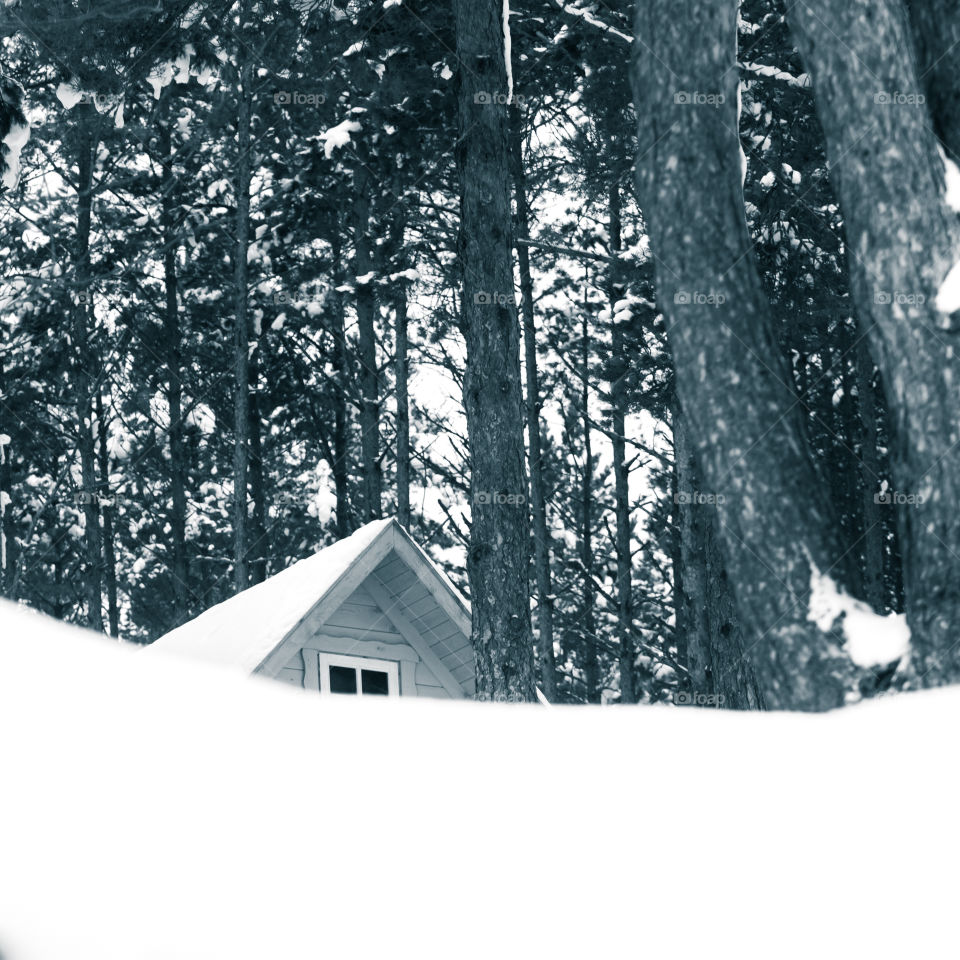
(370, 615)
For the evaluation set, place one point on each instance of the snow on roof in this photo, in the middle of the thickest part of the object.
(243, 630)
(154, 810)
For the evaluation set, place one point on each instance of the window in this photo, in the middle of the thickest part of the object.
(359, 676)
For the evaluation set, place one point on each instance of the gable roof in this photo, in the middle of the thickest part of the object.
(244, 630)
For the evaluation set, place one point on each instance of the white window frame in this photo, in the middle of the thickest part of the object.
(390, 667)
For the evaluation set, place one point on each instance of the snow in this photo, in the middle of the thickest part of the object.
(947, 301)
(15, 140)
(507, 52)
(154, 810)
(241, 631)
(871, 639)
(68, 95)
(951, 182)
(338, 136)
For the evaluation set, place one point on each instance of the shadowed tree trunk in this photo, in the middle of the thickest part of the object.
(241, 337)
(259, 544)
(171, 330)
(936, 31)
(106, 511)
(498, 553)
(732, 382)
(8, 560)
(903, 241)
(587, 614)
(538, 505)
(341, 366)
(707, 614)
(401, 374)
(873, 530)
(83, 367)
(621, 472)
(367, 348)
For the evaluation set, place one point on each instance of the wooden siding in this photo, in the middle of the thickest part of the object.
(360, 618)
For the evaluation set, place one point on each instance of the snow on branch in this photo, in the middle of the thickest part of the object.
(593, 21)
(774, 73)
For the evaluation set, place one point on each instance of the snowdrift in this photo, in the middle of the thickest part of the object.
(153, 809)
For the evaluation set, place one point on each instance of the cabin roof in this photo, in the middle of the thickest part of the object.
(246, 629)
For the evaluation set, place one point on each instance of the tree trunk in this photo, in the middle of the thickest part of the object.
(873, 529)
(174, 362)
(241, 338)
(84, 369)
(903, 242)
(401, 373)
(259, 544)
(587, 615)
(732, 382)
(339, 465)
(936, 32)
(621, 473)
(498, 554)
(8, 559)
(541, 539)
(713, 640)
(105, 504)
(367, 348)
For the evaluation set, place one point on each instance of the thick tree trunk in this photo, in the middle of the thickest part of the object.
(241, 338)
(936, 31)
(713, 641)
(903, 242)
(538, 505)
(621, 473)
(174, 362)
(731, 380)
(498, 555)
(401, 374)
(84, 369)
(106, 512)
(367, 348)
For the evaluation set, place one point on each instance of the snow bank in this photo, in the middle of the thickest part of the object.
(154, 810)
(871, 639)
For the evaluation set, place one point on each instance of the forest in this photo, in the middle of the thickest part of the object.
(640, 316)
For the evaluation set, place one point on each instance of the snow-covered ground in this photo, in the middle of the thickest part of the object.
(152, 809)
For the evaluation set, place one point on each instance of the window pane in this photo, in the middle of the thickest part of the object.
(374, 681)
(343, 680)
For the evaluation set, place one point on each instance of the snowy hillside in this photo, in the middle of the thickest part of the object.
(154, 809)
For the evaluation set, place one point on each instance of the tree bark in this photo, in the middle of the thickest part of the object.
(259, 544)
(936, 32)
(401, 374)
(241, 338)
(713, 640)
(903, 242)
(621, 473)
(587, 613)
(8, 559)
(339, 466)
(367, 348)
(174, 363)
(538, 505)
(83, 367)
(105, 504)
(732, 382)
(873, 529)
(498, 554)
